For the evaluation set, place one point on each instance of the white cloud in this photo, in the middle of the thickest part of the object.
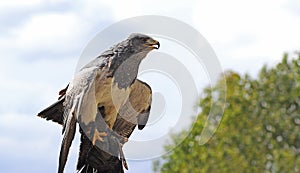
(50, 31)
(32, 140)
(266, 27)
(29, 85)
(23, 131)
(19, 3)
(293, 6)
(125, 9)
(42, 28)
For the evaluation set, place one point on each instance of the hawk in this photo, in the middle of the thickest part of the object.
(107, 101)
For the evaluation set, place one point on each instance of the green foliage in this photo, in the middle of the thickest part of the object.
(260, 129)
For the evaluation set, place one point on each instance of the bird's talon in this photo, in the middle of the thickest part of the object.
(98, 136)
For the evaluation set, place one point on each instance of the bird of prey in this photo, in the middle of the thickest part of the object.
(107, 101)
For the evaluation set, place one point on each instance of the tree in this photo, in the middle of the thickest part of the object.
(260, 129)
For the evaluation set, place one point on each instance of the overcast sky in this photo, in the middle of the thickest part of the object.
(41, 41)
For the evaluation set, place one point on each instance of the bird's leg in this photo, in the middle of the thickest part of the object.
(102, 127)
(98, 136)
(95, 131)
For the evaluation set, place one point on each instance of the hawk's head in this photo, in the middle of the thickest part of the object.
(125, 64)
(142, 43)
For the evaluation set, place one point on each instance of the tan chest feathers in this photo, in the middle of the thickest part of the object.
(127, 102)
(111, 98)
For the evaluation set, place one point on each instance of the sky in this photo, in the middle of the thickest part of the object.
(41, 42)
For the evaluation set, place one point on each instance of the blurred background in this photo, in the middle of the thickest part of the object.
(256, 43)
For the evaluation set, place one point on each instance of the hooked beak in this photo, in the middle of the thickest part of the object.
(153, 44)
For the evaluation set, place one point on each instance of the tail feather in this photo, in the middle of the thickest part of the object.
(84, 149)
(54, 112)
(66, 143)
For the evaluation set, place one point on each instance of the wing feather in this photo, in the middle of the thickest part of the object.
(78, 89)
(54, 112)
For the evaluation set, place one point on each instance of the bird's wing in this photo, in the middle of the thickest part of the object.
(55, 111)
(90, 156)
(66, 142)
(78, 92)
(135, 112)
(137, 109)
